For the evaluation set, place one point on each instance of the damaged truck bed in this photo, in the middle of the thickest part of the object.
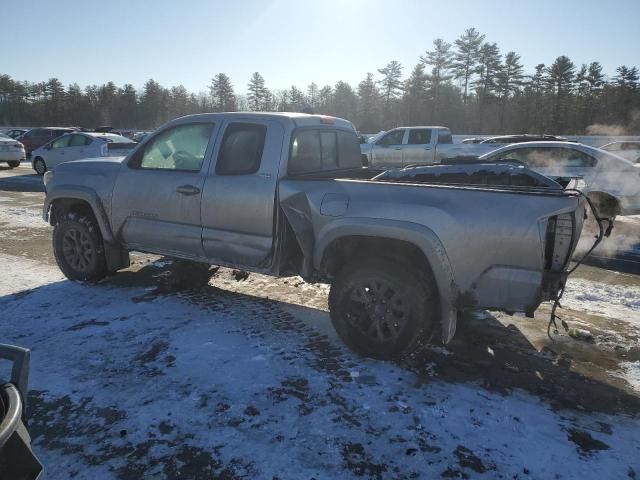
(284, 194)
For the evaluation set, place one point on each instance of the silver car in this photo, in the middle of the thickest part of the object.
(613, 182)
(76, 146)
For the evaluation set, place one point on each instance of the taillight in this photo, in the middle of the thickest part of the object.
(558, 243)
(18, 145)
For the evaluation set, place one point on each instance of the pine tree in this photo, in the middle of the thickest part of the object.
(561, 76)
(259, 96)
(391, 83)
(509, 81)
(222, 94)
(465, 58)
(440, 60)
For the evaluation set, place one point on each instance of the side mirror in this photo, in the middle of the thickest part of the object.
(49, 146)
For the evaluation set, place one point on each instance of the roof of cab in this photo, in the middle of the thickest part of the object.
(298, 119)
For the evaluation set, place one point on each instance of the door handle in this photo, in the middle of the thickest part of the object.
(188, 190)
(398, 148)
(427, 148)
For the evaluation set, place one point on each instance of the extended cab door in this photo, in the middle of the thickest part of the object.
(418, 149)
(239, 193)
(157, 196)
(387, 152)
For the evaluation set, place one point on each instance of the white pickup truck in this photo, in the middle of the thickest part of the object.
(405, 146)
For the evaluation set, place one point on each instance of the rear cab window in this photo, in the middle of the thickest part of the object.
(315, 150)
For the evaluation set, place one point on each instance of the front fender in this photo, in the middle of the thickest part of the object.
(422, 237)
(86, 194)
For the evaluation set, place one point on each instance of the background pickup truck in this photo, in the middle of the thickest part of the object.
(285, 194)
(406, 146)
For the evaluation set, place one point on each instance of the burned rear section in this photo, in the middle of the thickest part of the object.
(502, 243)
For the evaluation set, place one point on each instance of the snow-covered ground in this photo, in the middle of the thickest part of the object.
(129, 383)
(612, 301)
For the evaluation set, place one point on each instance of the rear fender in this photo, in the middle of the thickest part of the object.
(420, 236)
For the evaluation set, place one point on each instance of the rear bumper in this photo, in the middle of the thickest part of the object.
(12, 156)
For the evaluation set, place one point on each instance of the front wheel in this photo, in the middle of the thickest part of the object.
(39, 166)
(78, 247)
(383, 309)
(14, 164)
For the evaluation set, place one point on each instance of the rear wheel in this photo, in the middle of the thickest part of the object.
(14, 164)
(606, 205)
(383, 309)
(78, 247)
(39, 166)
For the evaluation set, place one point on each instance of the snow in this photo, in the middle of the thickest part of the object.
(609, 300)
(631, 373)
(12, 217)
(127, 383)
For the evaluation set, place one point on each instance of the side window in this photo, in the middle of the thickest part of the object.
(537, 157)
(444, 137)
(241, 150)
(419, 136)
(305, 153)
(33, 133)
(392, 138)
(61, 142)
(179, 148)
(79, 141)
(576, 158)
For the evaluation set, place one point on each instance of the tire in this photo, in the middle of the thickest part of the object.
(39, 166)
(366, 289)
(13, 164)
(78, 247)
(606, 205)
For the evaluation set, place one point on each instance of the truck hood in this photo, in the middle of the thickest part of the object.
(86, 170)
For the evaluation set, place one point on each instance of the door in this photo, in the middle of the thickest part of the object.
(157, 197)
(387, 152)
(418, 149)
(239, 194)
(78, 147)
(57, 152)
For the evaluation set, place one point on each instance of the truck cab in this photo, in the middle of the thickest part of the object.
(407, 146)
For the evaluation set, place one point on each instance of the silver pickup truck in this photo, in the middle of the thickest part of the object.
(405, 146)
(285, 194)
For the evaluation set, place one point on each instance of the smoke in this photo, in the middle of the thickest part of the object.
(606, 130)
(616, 129)
(624, 239)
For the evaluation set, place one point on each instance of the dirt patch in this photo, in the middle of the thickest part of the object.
(585, 443)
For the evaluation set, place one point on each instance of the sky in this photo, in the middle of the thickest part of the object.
(293, 42)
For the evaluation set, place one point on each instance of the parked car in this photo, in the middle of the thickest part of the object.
(627, 149)
(417, 146)
(611, 181)
(37, 137)
(523, 138)
(285, 194)
(17, 460)
(76, 146)
(11, 151)
(15, 132)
